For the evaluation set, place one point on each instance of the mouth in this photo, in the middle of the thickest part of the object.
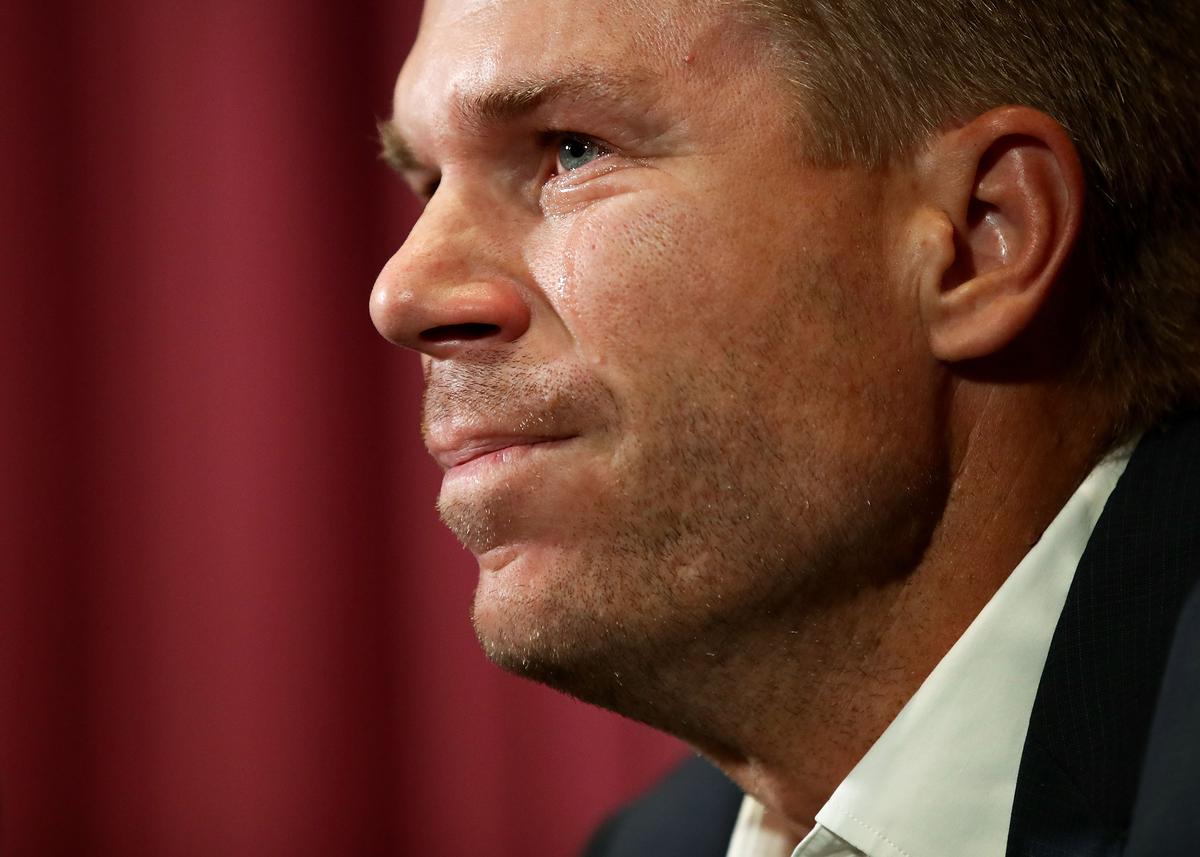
(471, 452)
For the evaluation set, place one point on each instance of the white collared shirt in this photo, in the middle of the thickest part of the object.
(940, 780)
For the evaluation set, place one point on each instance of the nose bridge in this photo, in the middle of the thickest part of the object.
(432, 243)
(450, 286)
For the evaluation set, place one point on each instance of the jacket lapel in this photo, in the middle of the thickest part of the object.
(1088, 729)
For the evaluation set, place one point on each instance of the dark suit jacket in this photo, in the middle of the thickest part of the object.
(1111, 763)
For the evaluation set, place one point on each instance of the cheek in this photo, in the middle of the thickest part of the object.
(640, 276)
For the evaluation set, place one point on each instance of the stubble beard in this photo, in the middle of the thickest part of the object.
(704, 540)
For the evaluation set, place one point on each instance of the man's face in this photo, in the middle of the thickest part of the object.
(683, 349)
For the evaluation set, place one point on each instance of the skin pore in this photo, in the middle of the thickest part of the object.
(742, 444)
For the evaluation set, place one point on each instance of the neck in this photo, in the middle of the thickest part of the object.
(814, 695)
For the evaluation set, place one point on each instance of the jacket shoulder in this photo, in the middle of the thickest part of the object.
(689, 812)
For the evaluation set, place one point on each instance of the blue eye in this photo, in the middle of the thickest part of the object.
(575, 151)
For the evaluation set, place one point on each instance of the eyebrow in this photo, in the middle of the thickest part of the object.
(394, 149)
(513, 100)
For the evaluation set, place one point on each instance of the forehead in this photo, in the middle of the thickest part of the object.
(467, 46)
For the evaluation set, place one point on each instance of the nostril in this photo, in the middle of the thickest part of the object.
(459, 332)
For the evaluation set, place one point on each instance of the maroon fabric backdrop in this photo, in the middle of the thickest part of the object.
(229, 621)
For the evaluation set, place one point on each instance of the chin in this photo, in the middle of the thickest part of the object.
(623, 656)
(568, 651)
(540, 612)
(590, 620)
(525, 608)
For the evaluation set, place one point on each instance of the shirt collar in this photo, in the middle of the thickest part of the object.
(941, 778)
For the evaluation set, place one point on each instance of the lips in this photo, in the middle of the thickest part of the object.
(450, 452)
(504, 410)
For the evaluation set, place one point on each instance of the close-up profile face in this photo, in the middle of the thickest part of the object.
(667, 361)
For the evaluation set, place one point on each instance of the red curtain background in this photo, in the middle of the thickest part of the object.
(230, 623)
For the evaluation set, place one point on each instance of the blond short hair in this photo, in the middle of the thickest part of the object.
(876, 78)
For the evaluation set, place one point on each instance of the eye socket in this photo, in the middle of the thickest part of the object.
(576, 150)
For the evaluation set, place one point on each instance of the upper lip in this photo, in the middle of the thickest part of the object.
(452, 451)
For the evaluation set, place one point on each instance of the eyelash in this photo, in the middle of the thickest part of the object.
(551, 140)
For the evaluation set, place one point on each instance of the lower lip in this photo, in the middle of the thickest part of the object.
(502, 458)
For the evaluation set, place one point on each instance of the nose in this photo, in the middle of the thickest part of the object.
(445, 291)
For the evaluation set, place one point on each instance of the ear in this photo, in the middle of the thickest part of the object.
(1002, 204)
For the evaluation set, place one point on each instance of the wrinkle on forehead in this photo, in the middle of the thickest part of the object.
(468, 49)
(479, 41)
(653, 16)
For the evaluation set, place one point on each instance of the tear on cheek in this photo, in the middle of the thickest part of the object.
(629, 264)
(546, 259)
(567, 196)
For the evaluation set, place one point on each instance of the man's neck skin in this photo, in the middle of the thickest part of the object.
(813, 699)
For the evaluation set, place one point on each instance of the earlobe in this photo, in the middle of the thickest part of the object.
(1005, 198)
